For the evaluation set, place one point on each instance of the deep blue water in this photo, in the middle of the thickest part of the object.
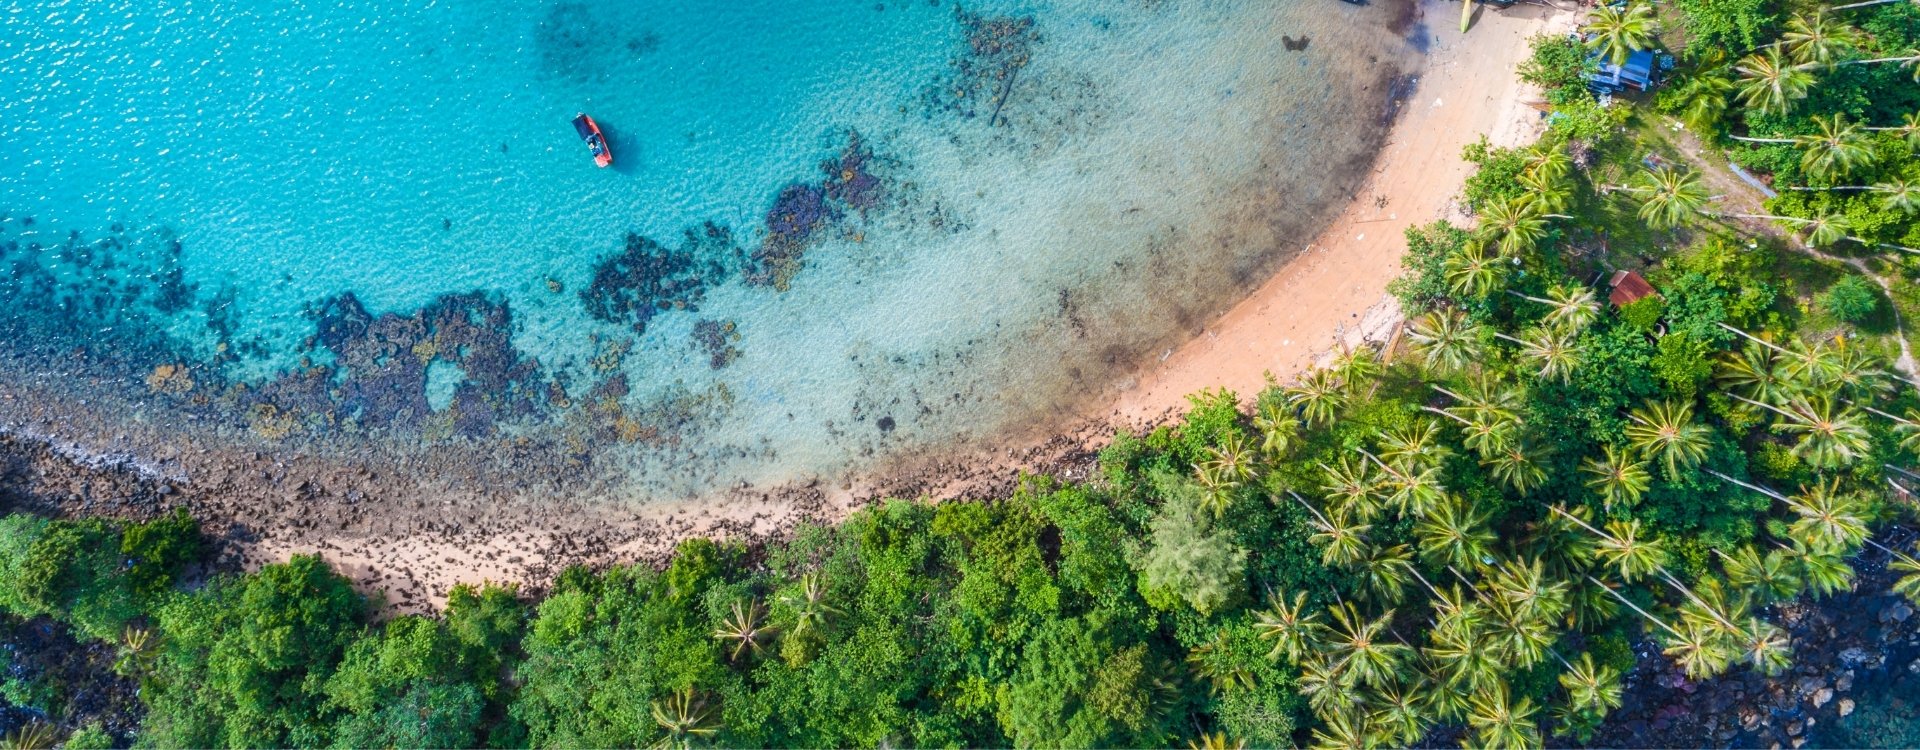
(835, 230)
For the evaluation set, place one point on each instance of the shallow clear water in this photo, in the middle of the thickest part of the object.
(988, 215)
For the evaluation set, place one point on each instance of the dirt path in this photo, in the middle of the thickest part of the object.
(1736, 196)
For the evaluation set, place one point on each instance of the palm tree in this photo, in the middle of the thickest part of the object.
(1666, 429)
(1417, 445)
(1462, 654)
(1549, 192)
(1357, 367)
(1318, 396)
(1704, 92)
(1216, 741)
(1570, 307)
(1446, 340)
(1517, 464)
(1819, 40)
(1384, 573)
(1758, 372)
(1838, 148)
(1499, 723)
(1401, 716)
(1825, 572)
(1342, 731)
(1514, 226)
(1898, 193)
(33, 735)
(1591, 687)
(1342, 541)
(1811, 364)
(1485, 433)
(1623, 547)
(1455, 533)
(1231, 458)
(1830, 520)
(1616, 33)
(1908, 430)
(1473, 272)
(1223, 674)
(1352, 486)
(1555, 352)
(1831, 436)
(1908, 585)
(1909, 127)
(1770, 577)
(1278, 429)
(1821, 231)
(1324, 690)
(1701, 650)
(1216, 489)
(1617, 478)
(1669, 196)
(1769, 83)
(1765, 647)
(746, 628)
(1295, 633)
(809, 605)
(1358, 650)
(687, 719)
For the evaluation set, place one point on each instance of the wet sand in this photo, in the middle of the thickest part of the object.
(414, 524)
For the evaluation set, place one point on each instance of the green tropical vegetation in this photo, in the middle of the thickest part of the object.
(1467, 531)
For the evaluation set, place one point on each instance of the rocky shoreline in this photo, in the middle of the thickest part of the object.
(1848, 649)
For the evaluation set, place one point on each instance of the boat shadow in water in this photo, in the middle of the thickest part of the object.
(626, 150)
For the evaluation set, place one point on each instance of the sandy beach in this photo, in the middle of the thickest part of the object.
(1334, 293)
(414, 529)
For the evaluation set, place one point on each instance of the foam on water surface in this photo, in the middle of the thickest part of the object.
(846, 243)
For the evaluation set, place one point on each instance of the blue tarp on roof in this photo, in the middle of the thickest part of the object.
(1637, 72)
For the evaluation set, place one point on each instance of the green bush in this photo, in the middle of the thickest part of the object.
(1851, 300)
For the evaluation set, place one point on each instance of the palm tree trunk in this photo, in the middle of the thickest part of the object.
(1754, 487)
(1903, 472)
(1768, 407)
(1635, 607)
(1845, 187)
(1851, 6)
(1764, 140)
(1881, 60)
(1448, 414)
(1755, 339)
(1311, 509)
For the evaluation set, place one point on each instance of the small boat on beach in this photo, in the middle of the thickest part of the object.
(596, 141)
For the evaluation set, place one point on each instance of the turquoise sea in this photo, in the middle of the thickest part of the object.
(835, 232)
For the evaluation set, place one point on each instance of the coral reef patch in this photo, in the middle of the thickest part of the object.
(378, 379)
(802, 212)
(647, 278)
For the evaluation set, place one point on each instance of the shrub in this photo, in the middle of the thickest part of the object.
(1851, 300)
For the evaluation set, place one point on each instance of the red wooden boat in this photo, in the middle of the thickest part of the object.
(596, 141)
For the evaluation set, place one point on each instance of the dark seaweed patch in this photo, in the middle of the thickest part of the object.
(802, 212)
(647, 278)
(716, 339)
(379, 379)
(981, 77)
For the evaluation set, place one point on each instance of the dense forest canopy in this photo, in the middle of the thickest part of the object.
(1463, 536)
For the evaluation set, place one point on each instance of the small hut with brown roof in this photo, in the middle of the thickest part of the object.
(1629, 287)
